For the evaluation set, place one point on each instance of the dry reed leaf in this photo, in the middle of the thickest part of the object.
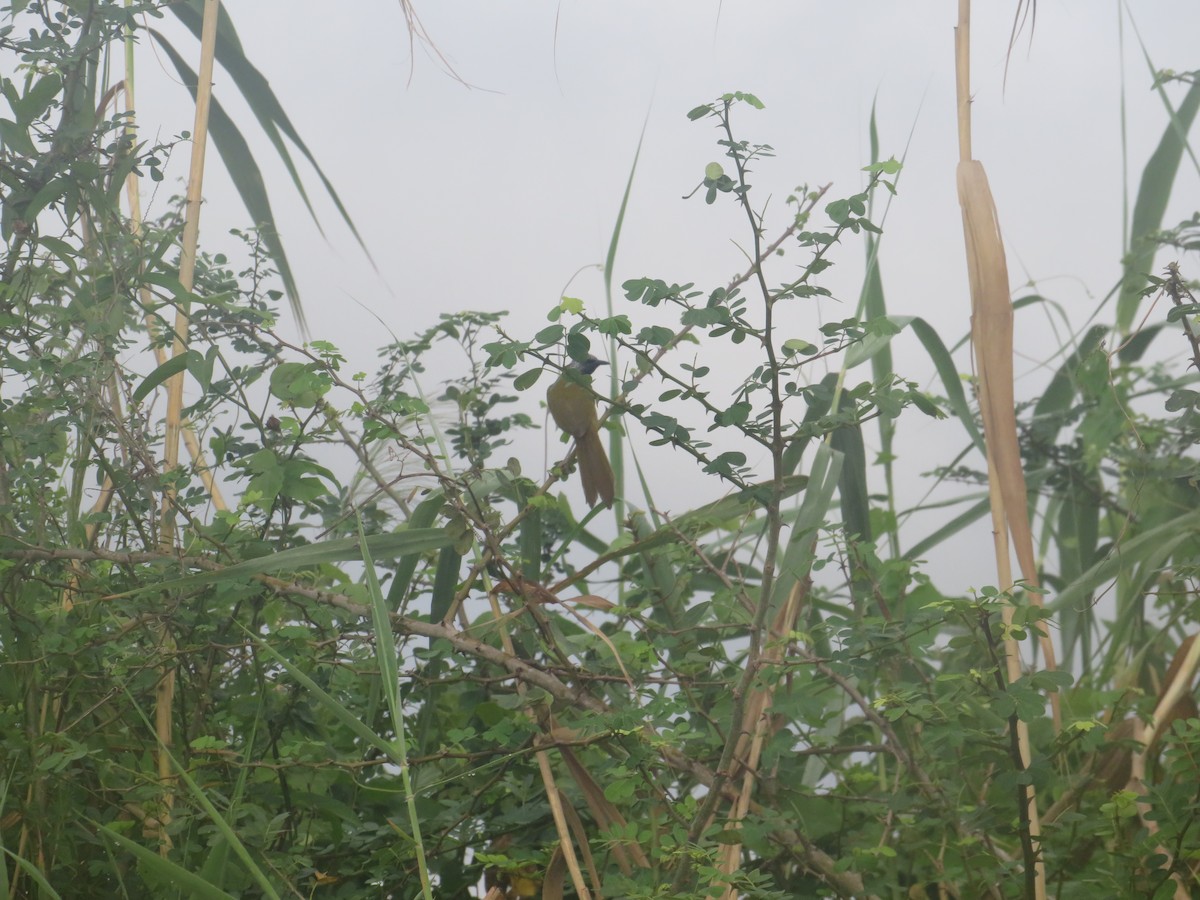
(1175, 700)
(562, 813)
(591, 601)
(581, 838)
(604, 813)
(992, 336)
(1117, 765)
(756, 724)
(552, 885)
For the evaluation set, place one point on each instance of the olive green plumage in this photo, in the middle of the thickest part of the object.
(573, 408)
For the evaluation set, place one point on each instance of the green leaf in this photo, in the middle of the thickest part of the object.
(875, 342)
(795, 345)
(551, 334)
(948, 373)
(38, 99)
(1060, 393)
(839, 211)
(50, 193)
(162, 868)
(801, 547)
(1154, 192)
(737, 414)
(299, 384)
(852, 485)
(172, 366)
(887, 167)
(528, 379)
(399, 543)
(1175, 313)
(445, 582)
(15, 138)
(268, 111)
(246, 176)
(1156, 543)
(421, 519)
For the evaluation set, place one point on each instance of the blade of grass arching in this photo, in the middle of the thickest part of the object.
(1076, 540)
(853, 491)
(658, 578)
(854, 498)
(969, 516)
(422, 517)
(644, 483)
(345, 717)
(531, 539)
(820, 401)
(445, 583)
(951, 382)
(875, 345)
(246, 177)
(222, 827)
(714, 516)
(1154, 191)
(35, 874)
(1059, 395)
(611, 257)
(172, 873)
(1032, 300)
(871, 305)
(397, 544)
(387, 660)
(216, 869)
(1155, 543)
(797, 558)
(963, 520)
(1133, 349)
(266, 108)
(616, 455)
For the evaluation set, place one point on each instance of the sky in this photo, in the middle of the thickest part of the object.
(504, 194)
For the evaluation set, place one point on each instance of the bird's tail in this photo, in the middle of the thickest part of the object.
(594, 469)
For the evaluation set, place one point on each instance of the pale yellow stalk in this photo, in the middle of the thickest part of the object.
(992, 340)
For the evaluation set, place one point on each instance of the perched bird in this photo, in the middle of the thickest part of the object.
(573, 408)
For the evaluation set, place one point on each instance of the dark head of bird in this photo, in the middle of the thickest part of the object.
(587, 366)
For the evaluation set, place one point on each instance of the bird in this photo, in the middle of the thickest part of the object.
(573, 408)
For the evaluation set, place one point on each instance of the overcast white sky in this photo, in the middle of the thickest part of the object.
(493, 198)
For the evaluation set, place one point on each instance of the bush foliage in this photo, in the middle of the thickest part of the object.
(395, 663)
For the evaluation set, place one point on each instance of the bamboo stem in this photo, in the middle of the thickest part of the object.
(187, 258)
(133, 196)
(165, 690)
(992, 341)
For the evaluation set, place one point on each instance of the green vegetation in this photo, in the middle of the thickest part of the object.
(252, 674)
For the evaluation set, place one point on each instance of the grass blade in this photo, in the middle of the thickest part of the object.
(270, 114)
(246, 176)
(1154, 192)
(163, 868)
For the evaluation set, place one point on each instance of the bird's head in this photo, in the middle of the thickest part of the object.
(587, 366)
